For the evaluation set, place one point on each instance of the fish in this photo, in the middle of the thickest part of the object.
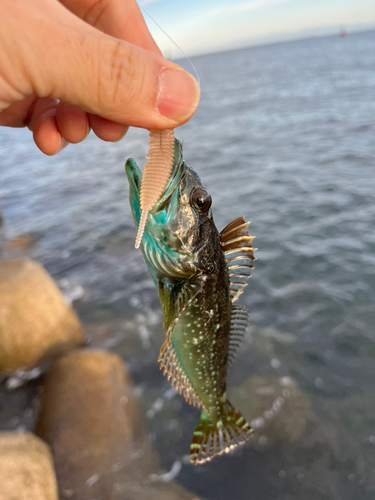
(199, 274)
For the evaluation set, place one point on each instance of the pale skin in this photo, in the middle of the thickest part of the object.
(73, 65)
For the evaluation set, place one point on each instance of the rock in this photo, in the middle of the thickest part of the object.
(18, 243)
(91, 419)
(26, 468)
(35, 322)
(276, 408)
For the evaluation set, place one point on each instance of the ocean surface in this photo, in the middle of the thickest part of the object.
(285, 135)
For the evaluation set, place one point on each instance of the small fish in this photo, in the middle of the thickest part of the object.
(199, 273)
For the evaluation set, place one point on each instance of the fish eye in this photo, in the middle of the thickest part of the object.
(200, 200)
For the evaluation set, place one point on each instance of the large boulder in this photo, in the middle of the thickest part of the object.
(26, 468)
(35, 321)
(91, 419)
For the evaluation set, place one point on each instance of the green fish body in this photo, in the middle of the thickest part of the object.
(199, 274)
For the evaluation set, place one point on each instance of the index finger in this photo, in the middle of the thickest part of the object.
(118, 18)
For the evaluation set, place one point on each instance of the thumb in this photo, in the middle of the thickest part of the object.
(109, 77)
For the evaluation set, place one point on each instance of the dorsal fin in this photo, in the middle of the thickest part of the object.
(171, 367)
(236, 244)
(238, 324)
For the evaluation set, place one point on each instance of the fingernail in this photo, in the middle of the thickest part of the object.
(122, 135)
(178, 95)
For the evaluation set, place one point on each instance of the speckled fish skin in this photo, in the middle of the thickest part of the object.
(200, 336)
(183, 252)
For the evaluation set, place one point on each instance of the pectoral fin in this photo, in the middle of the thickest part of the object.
(175, 297)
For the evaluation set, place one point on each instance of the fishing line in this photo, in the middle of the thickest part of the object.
(174, 43)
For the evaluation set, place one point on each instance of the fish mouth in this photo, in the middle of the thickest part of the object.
(135, 180)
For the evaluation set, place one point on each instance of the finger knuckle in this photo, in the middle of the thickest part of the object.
(117, 73)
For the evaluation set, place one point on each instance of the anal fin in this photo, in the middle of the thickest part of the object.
(172, 369)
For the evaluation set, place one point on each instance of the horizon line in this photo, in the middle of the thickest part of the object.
(367, 28)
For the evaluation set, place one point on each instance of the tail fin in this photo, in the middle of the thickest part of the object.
(214, 438)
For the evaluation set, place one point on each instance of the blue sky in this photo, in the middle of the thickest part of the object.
(202, 26)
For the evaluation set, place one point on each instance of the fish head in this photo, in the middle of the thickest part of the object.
(179, 225)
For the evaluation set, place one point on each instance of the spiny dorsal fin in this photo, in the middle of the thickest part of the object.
(215, 438)
(236, 244)
(171, 367)
(238, 324)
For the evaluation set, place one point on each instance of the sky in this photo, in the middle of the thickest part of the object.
(204, 26)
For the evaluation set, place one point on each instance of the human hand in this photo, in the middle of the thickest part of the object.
(70, 65)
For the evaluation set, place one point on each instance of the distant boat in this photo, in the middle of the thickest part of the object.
(343, 32)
